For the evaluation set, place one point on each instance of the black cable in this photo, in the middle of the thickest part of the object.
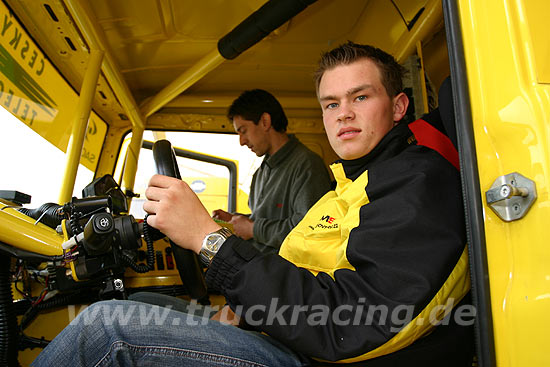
(400, 14)
(8, 319)
(27, 255)
(410, 24)
(149, 242)
(74, 224)
(16, 280)
(46, 213)
(79, 297)
(140, 268)
(31, 342)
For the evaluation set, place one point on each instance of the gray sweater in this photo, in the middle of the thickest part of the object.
(283, 189)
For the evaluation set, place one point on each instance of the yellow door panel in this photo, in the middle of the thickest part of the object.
(505, 52)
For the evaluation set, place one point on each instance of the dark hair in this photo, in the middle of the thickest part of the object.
(390, 71)
(251, 104)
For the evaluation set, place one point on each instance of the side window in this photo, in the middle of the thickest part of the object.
(32, 165)
(215, 181)
(36, 116)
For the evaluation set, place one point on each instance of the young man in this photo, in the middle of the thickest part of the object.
(363, 278)
(289, 181)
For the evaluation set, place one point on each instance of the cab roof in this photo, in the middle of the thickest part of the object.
(151, 43)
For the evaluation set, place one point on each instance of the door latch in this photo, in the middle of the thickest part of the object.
(511, 196)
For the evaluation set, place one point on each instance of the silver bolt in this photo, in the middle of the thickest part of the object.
(504, 191)
(516, 207)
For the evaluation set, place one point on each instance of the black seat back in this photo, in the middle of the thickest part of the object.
(437, 130)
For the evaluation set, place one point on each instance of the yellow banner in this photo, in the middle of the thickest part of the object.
(33, 91)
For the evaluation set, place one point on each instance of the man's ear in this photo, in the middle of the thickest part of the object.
(265, 121)
(400, 104)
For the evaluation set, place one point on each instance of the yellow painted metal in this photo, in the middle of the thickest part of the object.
(208, 63)
(110, 152)
(71, 269)
(430, 19)
(119, 167)
(242, 202)
(93, 34)
(80, 125)
(511, 116)
(151, 280)
(20, 231)
(131, 162)
(538, 28)
(73, 272)
(422, 77)
(219, 100)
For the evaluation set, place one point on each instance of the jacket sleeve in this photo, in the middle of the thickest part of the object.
(409, 238)
(310, 182)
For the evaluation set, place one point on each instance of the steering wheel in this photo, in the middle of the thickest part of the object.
(187, 261)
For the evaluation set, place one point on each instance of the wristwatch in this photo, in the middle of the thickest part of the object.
(212, 244)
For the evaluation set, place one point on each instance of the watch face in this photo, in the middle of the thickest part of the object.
(213, 242)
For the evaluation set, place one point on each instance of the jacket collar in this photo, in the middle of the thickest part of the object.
(395, 141)
(280, 155)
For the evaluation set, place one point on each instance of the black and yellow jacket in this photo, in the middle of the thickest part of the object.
(389, 240)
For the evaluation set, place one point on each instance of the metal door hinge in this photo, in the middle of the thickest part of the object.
(511, 196)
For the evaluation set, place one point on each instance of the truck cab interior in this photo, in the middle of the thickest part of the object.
(103, 82)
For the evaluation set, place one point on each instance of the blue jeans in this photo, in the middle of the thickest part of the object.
(177, 304)
(128, 333)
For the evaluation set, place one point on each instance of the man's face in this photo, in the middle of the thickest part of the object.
(357, 111)
(254, 136)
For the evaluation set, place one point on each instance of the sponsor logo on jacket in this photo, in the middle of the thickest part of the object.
(326, 222)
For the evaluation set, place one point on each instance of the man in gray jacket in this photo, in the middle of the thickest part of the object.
(289, 181)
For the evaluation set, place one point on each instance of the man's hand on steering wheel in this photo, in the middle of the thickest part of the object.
(175, 210)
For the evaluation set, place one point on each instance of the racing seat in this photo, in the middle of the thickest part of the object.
(451, 342)
(437, 129)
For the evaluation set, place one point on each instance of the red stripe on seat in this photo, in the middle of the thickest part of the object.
(428, 136)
